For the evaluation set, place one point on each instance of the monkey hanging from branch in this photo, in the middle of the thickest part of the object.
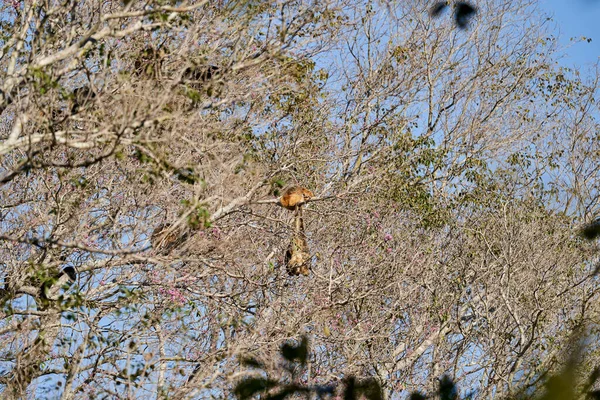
(297, 257)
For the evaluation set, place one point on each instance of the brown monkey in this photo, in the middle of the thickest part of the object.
(295, 196)
(297, 257)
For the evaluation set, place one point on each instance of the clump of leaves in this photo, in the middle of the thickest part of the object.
(199, 217)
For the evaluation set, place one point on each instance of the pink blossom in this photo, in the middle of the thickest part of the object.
(176, 296)
(216, 232)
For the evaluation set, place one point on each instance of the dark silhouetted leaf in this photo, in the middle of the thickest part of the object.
(323, 390)
(288, 391)
(438, 8)
(416, 396)
(251, 386)
(370, 389)
(463, 14)
(591, 382)
(595, 395)
(296, 353)
(560, 387)
(593, 378)
(350, 389)
(281, 395)
(201, 73)
(591, 231)
(563, 385)
(448, 389)
(251, 362)
(71, 273)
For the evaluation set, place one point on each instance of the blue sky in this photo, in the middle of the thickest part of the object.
(576, 18)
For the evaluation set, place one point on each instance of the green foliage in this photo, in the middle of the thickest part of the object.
(79, 182)
(142, 157)
(193, 95)
(200, 217)
(42, 81)
(277, 184)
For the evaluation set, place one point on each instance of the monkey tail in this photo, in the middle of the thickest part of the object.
(299, 222)
(297, 257)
